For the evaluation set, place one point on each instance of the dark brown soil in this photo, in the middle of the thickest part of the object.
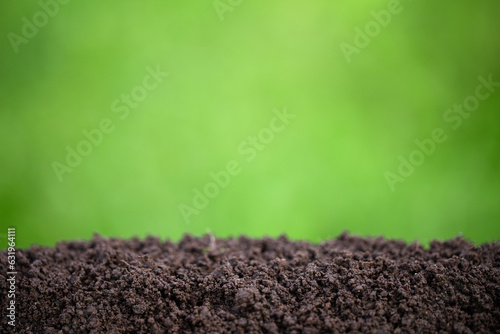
(203, 285)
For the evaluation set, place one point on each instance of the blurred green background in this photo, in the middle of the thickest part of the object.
(324, 173)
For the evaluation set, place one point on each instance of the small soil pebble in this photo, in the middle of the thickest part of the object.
(244, 285)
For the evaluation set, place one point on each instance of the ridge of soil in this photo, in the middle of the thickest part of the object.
(244, 285)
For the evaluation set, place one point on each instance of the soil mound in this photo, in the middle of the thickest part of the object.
(207, 285)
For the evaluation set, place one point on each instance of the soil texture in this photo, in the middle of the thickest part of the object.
(244, 285)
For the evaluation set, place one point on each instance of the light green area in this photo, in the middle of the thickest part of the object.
(324, 173)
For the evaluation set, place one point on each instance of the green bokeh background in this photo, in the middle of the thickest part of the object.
(323, 174)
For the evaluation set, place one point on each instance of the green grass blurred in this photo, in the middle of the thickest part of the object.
(321, 175)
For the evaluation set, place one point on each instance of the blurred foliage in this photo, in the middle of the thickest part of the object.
(321, 175)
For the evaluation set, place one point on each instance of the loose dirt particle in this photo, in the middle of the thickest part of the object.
(202, 285)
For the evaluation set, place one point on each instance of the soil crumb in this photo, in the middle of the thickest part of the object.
(244, 285)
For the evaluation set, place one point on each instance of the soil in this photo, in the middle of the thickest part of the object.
(207, 285)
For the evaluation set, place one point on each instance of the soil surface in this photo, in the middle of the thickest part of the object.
(207, 285)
